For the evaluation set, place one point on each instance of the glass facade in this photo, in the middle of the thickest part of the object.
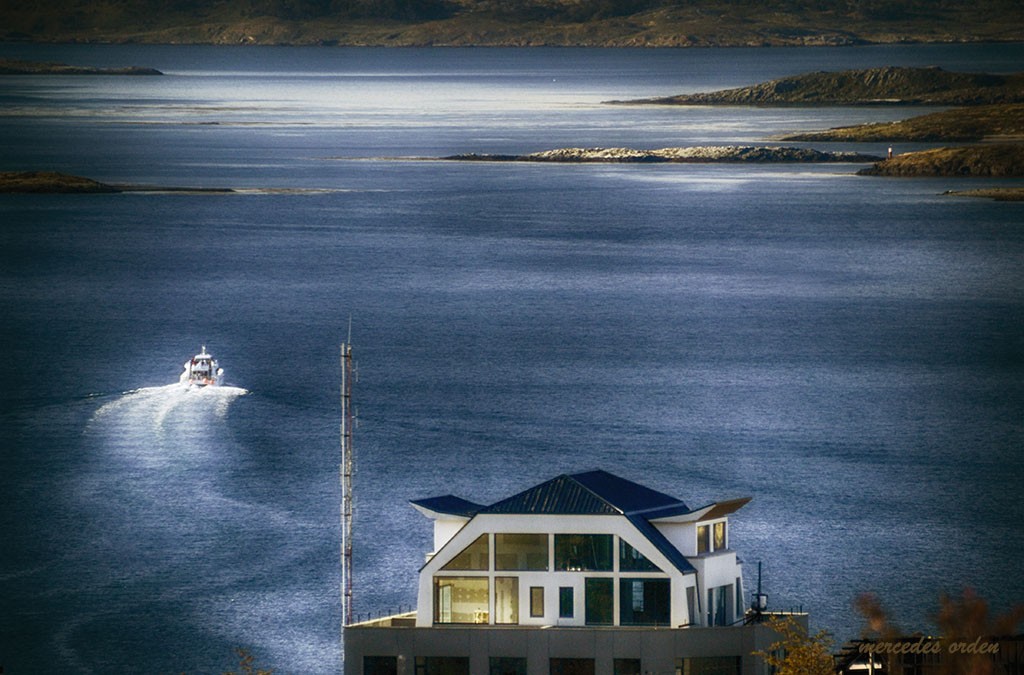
(583, 552)
(632, 560)
(566, 602)
(521, 552)
(536, 601)
(644, 602)
(718, 606)
(460, 599)
(473, 557)
(599, 598)
(506, 600)
(712, 537)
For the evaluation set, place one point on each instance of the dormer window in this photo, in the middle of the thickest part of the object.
(712, 537)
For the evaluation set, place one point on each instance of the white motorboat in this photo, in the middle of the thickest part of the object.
(202, 370)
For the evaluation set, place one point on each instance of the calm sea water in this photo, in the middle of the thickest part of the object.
(847, 351)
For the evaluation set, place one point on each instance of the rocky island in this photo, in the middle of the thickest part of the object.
(690, 155)
(55, 182)
(994, 161)
(15, 67)
(889, 85)
(26, 182)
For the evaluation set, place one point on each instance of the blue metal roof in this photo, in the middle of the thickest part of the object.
(597, 493)
(590, 493)
(449, 504)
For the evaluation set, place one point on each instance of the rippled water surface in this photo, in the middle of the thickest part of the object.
(848, 351)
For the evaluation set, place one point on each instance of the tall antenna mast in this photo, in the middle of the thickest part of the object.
(347, 419)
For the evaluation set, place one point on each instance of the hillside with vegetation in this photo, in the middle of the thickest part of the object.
(959, 125)
(645, 23)
(990, 161)
(890, 85)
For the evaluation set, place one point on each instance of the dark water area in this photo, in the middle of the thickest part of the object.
(848, 351)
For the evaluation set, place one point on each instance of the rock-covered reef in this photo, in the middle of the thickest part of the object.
(871, 86)
(699, 154)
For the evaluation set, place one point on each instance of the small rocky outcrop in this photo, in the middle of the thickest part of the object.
(693, 155)
(871, 86)
(50, 182)
(1003, 160)
(995, 194)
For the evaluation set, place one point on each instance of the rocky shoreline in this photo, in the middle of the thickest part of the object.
(959, 125)
(14, 67)
(890, 85)
(689, 155)
(54, 182)
(992, 161)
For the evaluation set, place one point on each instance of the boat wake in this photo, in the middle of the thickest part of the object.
(172, 418)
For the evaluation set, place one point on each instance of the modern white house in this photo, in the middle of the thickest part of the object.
(585, 573)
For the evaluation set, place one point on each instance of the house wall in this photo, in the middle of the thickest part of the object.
(657, 648)
(551, 580)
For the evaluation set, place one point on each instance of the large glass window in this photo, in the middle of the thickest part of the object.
(572, 666)
(473, 557)
(380, 665)
(442, 665)
(583, 552)
(644, 602)
(521, 552)
(506, 600)
(718, 606)
(460, 599)
(507, 665)
(719, 536)
(632, 560)
(566, 603)
(691, 604)
(703, 539)
(536, 601)
(599, 600)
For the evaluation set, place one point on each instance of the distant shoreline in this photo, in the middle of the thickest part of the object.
(55, 182)
(530, 23)
(16, 67)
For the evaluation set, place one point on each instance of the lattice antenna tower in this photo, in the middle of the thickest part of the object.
(347, 423)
